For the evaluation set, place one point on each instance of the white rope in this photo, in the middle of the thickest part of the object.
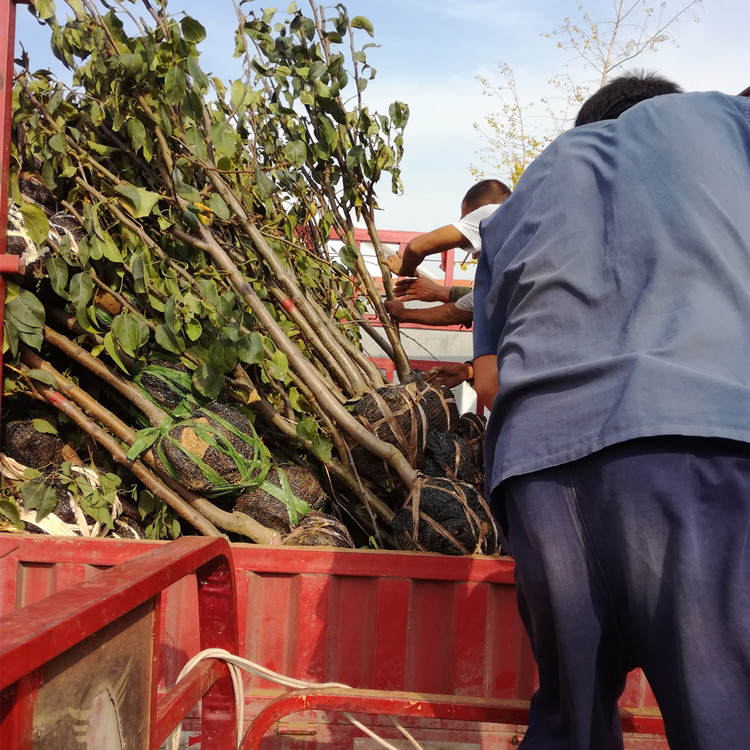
(236, 663)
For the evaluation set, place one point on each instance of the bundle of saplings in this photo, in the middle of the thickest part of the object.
(181, 310)
(443, 515)
(287, 495)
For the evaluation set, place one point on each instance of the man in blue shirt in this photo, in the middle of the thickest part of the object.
(612, 335)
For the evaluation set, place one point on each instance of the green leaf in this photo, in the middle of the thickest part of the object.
(81, 290)
(191, 220)
(295, 152)
(44, 8)
(42, 425)
(192, 30)
(208, 381)
(58, 143)
(35, 221)
(167, 339)
(322, 448)
(127, 333)
(360, 22)
(349, 255)
(138, 201)
(223, 139)
(223, 355)
(110, 346)
(354, 156)
(57, 271)
(195, 141)
(200, 79)
(217, 205)
(43, 377)
(264, 185)
(138, 270)
(278, 365)
(25, 311)
(35, 494)
(137, 133)
(10, 510)
(175, 85)
(250, 349)
(399, 113)
(307, 429)
(110, 251)
(132, 64)
(144, 439)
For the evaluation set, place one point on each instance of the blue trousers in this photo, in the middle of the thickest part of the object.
(636, 556)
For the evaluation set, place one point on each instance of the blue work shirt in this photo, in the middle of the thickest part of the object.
(614, 286)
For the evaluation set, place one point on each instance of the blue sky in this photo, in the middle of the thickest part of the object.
(430, 54)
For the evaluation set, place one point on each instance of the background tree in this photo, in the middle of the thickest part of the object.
(598, 46)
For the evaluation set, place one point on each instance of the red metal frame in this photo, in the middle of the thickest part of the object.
(34, 635)
(402, 239)
(421, 705)
(7, 43)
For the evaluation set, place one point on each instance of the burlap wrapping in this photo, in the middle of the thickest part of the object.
(445, 516)
(319, 530)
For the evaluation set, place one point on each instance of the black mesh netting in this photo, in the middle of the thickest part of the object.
(445, 516)
(449, 455)
(214, 451)
(276, 502)
(438, 403)
(471, 427)
(395, 415)
(29, 447)
(166, 382)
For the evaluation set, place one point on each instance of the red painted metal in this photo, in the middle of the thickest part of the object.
(7, 42)
(33, 635)
(376, 620)
(421, 705)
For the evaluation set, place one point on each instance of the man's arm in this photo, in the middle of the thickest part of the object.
(485, 379)
(438, 241)
(440, 315)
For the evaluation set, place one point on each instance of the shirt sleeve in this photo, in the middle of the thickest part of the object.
(457, 292)
(466, 302)
(469, 225)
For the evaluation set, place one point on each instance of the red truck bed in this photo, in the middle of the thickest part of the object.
(385, 621)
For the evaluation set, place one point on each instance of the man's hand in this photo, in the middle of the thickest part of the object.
(394, 263)
(449, 374)
(422, 289)
(396, 309)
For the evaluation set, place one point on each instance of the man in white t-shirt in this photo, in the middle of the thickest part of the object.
(480, 202)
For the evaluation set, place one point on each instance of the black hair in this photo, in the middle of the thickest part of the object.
(621, 94)
(483, 193)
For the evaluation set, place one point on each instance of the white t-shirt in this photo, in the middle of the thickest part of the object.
(469, 225)
(469, 228)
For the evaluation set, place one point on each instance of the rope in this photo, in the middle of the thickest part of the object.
(236, 663)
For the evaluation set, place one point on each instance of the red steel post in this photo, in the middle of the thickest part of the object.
(7, 43)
